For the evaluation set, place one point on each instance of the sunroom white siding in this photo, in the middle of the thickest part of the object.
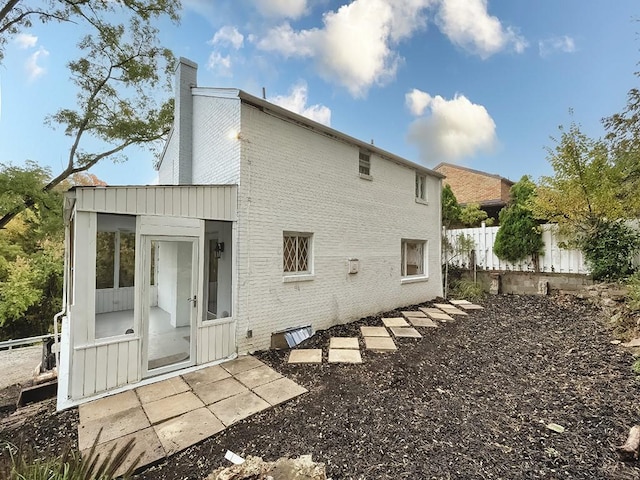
(89, 365)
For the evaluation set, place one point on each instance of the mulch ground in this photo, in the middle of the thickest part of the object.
(470, 400)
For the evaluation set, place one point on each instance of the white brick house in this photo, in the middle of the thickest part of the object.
(265, 221)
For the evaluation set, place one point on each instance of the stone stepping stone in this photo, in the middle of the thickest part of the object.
(349, 343)
(380, 344)
(395, 322)
(470, 306)
(340, 355)
(414, 313)
(305, 355)
(374, 332)
(460, 302)
(429, 310)
(423, 322)
(632, 343)
(408, 332)
(450, 309)
(440, 315)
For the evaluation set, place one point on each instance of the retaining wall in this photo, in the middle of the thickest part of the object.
(527, 282)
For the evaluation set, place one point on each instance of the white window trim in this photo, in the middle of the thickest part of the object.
(424, 199)
(300, 277)
(421, 277)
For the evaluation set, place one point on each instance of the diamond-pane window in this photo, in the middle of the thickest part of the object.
(413, 258)
(296, 250)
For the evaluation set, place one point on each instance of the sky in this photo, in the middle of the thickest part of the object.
(480, 83)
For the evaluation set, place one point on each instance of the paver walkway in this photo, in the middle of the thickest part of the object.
(171, 415)
(377, 339)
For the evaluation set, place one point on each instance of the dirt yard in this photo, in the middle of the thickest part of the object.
(470, 400)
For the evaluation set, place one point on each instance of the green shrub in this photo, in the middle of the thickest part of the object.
(519, 235)
(467, 290)
(609, 250)
(22, 464)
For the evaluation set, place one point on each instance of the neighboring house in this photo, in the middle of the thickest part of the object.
(490, 191)
(265, 221)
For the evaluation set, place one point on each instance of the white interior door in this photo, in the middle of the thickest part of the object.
(169, 303)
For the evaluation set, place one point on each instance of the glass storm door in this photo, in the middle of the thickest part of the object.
(169, 301)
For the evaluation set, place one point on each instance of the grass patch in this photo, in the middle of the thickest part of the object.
(21, 463)
(467, 290)
(633, 284)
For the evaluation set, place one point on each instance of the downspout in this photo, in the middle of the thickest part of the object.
(248, 243)
(65, 294)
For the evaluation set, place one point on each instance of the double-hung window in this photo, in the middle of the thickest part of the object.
(364, 166)
(296, 253)
(421, 187)
(413, 258)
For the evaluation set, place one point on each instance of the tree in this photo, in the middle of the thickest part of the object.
(31, 250)
(590, 199)
(118, 77)
(623, 139)
(450, 207)
(18, 15)
(583, 189)
(519, 235)
(472, 216)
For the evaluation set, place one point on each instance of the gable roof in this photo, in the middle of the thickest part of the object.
(478, 172)
(310, 124)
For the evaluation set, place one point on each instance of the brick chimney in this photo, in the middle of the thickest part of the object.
(186, 79)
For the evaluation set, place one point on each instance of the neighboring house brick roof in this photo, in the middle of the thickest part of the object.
(475, 186)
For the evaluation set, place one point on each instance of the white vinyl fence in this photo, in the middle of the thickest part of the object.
(554, 258)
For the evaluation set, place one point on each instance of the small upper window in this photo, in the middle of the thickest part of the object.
(296, 253)
(421, 187)
(365, 164)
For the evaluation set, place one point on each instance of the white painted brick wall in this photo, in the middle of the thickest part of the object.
(216, 151)
(294, 179)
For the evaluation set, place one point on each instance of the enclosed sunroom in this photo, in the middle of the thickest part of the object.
(149, 285)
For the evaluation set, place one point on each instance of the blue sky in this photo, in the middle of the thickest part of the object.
(481, 83)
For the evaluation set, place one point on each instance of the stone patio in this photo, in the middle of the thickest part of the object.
(171, 415)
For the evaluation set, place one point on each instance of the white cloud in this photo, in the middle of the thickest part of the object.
(34, 70)
(220, 64)
(562, 44)
(282, 8)
(26, 40)
(355, 46)
(417, 101)
(455, 128)
(296, 101)
(468, 24)
(228, 36)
